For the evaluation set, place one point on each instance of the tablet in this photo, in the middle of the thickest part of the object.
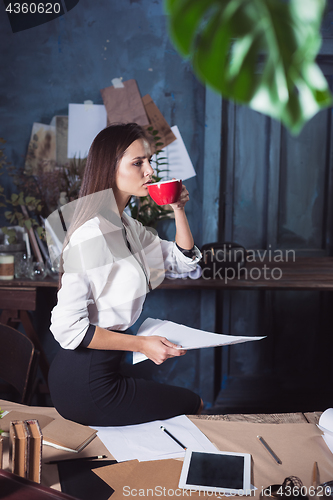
(221, 472)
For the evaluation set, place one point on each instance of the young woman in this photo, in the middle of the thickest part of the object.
(110, 261)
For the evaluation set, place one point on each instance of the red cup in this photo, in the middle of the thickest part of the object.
(165, 192)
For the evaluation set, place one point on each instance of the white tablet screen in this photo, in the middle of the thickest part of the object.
(221, 471)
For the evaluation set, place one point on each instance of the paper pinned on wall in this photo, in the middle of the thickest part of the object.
(61, 130)
(84, 123)
(179, 161)
(41, 154)
(124, 104)
(158, 122)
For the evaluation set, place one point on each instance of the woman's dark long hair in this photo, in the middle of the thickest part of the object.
(104, 156)
(103, 159)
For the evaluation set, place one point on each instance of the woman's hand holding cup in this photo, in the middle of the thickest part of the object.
(182, 200)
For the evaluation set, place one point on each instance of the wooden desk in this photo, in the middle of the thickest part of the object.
(210, 425)
(49, 472)
(305, 273)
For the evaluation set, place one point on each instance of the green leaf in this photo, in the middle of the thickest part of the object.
(40, 231)
(28, 224)
(12, 239)
(256, 52)
(186, 16)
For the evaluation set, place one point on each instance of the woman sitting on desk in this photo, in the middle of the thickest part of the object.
(109, 263)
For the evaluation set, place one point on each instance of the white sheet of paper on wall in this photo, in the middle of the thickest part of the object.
(84, 123)
(180, 164)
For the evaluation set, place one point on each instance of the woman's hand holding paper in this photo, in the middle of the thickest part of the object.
(158, 349)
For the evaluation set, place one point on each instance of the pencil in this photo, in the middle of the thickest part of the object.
(79, 459)
(269, 449)
(172, 437)
(315, 475)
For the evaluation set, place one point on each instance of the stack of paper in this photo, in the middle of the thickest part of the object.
(148, 442)
(186, 337)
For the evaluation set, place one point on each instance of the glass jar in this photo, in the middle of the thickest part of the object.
(7, 266)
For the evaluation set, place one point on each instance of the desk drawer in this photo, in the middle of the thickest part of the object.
(23, 299)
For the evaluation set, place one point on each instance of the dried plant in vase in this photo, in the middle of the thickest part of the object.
(18, 201)
(71, 175)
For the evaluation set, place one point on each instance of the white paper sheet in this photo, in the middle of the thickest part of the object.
(148, 442)
(186, 337)
(84, 123)
(179, 161)
(326, 425)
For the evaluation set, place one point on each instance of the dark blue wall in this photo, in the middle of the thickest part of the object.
(70, 59)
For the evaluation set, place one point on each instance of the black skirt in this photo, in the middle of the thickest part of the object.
(87, 386)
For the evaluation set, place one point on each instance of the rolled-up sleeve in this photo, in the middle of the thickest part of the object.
(173, 259)
(70, 318)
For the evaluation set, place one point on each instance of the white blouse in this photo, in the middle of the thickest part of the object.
(106, 278)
